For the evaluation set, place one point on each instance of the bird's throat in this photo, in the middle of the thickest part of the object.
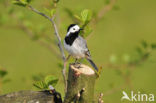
(71, 38)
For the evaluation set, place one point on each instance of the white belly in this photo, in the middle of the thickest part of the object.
(74, 50)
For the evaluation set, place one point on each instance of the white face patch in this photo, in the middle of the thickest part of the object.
(74, 29)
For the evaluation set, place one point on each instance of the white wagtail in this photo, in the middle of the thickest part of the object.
(76, 45)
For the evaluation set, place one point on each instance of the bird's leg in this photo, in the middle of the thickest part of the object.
(76, 61)
(80, 61)
(77, 64)
(67, 58)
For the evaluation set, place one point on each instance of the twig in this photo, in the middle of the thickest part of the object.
(58, 38)
(30, 34)
(100, 98)
(105, 9)
(78, 96)
(38, 12)
(55, 28)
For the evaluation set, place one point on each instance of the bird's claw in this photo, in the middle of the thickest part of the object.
(77, 65)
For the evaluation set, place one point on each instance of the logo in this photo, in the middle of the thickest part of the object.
(137, 97)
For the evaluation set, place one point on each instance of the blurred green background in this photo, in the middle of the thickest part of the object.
(117, 34)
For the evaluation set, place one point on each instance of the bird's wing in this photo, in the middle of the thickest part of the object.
(83, 44)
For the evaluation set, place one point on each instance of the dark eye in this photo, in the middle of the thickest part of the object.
(73, 28)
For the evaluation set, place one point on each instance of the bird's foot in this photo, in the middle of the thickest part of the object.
(77, 65)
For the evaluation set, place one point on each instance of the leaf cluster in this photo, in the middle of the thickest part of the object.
(3, 73)
(48, 81)
(84, 19)
(21, 2)
(143, 52)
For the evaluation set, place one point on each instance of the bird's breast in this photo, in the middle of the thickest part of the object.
(74, 50)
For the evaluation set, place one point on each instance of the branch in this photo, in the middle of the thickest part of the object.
(58, 38)
(55, 28)
(38, 12)
(100, 98)
(31, 97)
(106, 9)
(101, 14)
(30, 34)
(78, 96)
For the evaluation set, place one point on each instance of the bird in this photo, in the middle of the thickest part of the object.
(76, 45)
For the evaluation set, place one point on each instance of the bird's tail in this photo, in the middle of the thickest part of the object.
(93, 64)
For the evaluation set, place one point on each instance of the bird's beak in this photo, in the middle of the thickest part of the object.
(81, 29)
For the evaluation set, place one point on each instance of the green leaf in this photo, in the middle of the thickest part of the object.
(153, 46)
(100, 70)
(51, 80)
(87, 31)
(52, 12)
(25, 1)
(47, 11)
(28, 1)
(86, 15)
(38, 77)
(40, 85)
(3, 73)
(84, 18)
(126, 58)
(20, 2)
(60, 65)
(144, 44)
(78, 18)
(113, 58)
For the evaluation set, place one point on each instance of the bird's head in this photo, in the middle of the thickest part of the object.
(73, 28)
